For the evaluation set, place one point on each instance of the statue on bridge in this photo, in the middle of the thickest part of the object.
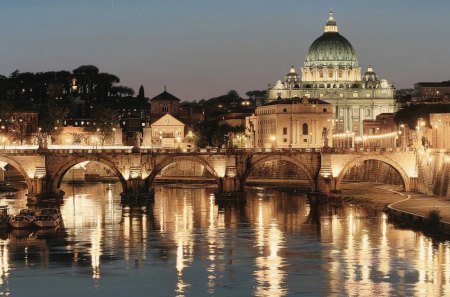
(48, 141)
(137, 139)
(325, 137)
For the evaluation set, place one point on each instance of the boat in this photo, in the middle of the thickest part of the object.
(24, 219)
(50, 212)
(47, 221)
(48, 218)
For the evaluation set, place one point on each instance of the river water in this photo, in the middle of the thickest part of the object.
(187, 244)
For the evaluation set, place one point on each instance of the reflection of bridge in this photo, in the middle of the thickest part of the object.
(43, 169)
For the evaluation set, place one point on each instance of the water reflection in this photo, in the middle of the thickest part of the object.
(186, 243)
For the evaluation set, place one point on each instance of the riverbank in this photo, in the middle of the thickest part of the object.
(410, 205)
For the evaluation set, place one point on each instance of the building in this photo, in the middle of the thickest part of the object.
(166, 103)
(438, 134)
(167, 132)
(432, 89)
(291, 123)
(331, 73)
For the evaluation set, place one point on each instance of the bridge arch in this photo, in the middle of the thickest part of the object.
(404, 176)
(59, 174)
(19, 168)
(269, 158)
(173, 159)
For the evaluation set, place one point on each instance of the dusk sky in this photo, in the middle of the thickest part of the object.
(201, 49)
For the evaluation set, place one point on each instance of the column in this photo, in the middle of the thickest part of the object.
(344, 110)
(2, 175)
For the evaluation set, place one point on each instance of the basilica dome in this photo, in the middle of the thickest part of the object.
(331, 49)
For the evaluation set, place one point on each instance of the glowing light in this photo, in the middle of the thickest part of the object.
(379, 136)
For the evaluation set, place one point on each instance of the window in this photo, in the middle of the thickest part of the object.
(305, 129)
(284, 109)
(284, 140)
(324, 110)
(284, 131)
(165, 108)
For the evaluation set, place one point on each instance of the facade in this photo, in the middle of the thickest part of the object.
(438, 135)
(331, 73)
(432, 89)
(291, 123)
(166, 103)
(167, 132)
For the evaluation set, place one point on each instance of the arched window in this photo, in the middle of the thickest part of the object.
(305, 129)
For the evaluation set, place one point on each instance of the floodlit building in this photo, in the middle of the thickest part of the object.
(291, 123)
(167, 132)
(438, 134)
(331, 72)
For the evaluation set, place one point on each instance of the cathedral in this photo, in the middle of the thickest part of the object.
(331, 73)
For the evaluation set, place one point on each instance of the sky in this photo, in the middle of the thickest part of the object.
(203, 48)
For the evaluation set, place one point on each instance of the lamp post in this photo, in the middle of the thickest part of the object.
(114, 136)
(402, 131)
(273, 138)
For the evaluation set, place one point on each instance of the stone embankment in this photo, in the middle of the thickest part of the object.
(406, 205)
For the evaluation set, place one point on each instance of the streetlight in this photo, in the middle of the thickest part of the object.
(402, 126)
(273, 138)
(114, 136)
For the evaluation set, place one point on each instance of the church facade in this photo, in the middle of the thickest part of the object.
(331, 73)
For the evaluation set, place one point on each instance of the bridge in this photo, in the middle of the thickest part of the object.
(137, 168)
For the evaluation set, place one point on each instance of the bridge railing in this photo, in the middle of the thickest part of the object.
(60, 149)
(18, 149)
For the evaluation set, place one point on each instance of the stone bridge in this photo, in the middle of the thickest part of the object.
(43, 169)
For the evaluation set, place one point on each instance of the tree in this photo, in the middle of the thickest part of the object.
(103, 124)
(86, 75)
(51, 120)
(141, 93)
(121, 91)
(213, 134)
(256, 94)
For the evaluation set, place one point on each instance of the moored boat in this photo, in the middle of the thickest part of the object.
(48, 218)
(24, 219)
(47, 221)
(20, 222)
(50, 212)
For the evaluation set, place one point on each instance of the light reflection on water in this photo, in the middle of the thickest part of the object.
(185, 243)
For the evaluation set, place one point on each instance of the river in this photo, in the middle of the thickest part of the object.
(185, 243)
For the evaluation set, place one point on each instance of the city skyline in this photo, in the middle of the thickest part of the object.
(203, 49)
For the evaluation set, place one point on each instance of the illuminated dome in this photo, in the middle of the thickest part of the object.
(370, 79)
(292, 79)
(331, 49)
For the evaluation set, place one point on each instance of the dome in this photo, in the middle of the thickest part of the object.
(370, 75)
(292, 79)
(370, 79)
(331, 49)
